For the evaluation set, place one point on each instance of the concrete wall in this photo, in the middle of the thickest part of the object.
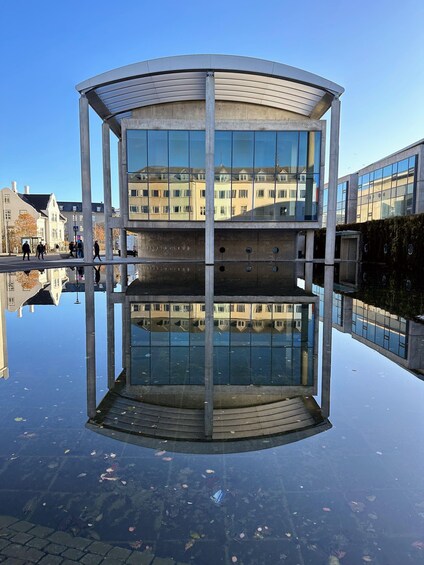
(229, 245)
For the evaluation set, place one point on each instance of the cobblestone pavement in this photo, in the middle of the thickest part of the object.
(24, 543)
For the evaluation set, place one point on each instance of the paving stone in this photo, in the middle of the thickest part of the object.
(69, 562)
(38, 543)
(22, 538)
(99, 547)
(62, 538)
(12, 561)
(108, 561)
(119, 553)
(22, 526)
(40, 531)
(3, 543)
(33, 555)
(163, 561)
(78, 543)
(5, 533)
(140, 558)
(72, 553)
(91, 559)
(7, 520)
(51, 560)
(15, 550)
(55, 548)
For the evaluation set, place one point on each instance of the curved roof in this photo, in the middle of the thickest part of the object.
(114, 94)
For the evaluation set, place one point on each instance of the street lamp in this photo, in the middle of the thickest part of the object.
(76, 284)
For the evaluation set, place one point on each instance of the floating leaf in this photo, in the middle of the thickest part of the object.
(81, 475)
(210, 471)
(194, 535)
(99, 517)
(234, 559)
(189, 544)
(367, 559)
(136, 544)
(418, 544)
(371, 498)
(160, 453)
(19, 419)
(166, 458)
(67, 451)
(131, 529)
(326, 509)
(356, 506)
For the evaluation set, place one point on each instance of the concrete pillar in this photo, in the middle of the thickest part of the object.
(210, 167)
(86, 179)
(352, 199)
(107, 189)
(90, 342)
(327, 326)
(110, 321)
(122, 199)
(330, 239)
(309, 246)
(209, 328)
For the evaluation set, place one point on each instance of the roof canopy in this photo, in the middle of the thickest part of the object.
(114, 94)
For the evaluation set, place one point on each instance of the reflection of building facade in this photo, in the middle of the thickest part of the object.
(233, 141)
(33, 288)
(393, 186)
(72, 211)
(4, 363)
(243, 369)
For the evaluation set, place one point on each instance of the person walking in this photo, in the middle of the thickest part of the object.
(40, 251)
(96, 250)
(80, 249)
(26, 249)
(71, 249)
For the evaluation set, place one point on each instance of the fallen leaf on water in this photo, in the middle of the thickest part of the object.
(234, 559)
(194, 535)
(136, 544)
(67, 451)
(81, 475)
(210, 471)
(19, 419)
(242, 535)
(326, 509)
(418, 544)
(160, 453)
(184, 485)
(367, 559)
(93, 453)
(371, 498)
(166, 458)
(112, 455)
(131, 529)
(189, 544)
(372, 516)
(99, 517)
(356, 506)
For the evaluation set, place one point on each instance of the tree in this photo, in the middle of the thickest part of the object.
(99, 234)
(25, 226)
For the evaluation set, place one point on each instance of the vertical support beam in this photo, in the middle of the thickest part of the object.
(210, 168)
(90, 341)
(330, 239)
(309, 246)
(327, 326)
(122, 199)
(209, 301)
(110, 321)
(86, 179)
(107, 190)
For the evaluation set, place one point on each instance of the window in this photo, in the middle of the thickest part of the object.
(99, 209)
(260, 193)
(7, 215)
(134, 209)
(243, 193)
(74, 208)
(156, 193)
(202, 210)
(133, 192)
(282, 194)
(6, 199)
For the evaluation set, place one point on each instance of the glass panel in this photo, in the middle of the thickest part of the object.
(243, 150)
(287, 151)
(178, 151)
(265, 146)
(136, 150)
(158, 150)
(303, 151)
(223, 144)
(197, 150)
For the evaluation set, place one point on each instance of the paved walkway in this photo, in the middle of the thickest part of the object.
(24, 543)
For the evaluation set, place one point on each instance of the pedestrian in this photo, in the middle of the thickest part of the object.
(71, 249)
(80, 251)
(96, 250)
(26, 249)
(40, 251)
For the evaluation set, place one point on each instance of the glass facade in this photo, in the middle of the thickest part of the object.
(258, 344)
(341, 204)
(388, 191)
(380, 327)
(259, 176)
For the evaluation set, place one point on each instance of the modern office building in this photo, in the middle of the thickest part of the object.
(217, 155)
(392, 186)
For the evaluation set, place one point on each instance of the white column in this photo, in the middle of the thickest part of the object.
(107, 189)
(90, 341)
(210, 167)
(209, 328)
(327, 327)
(122, 199)
(332, 182)
(86, 179)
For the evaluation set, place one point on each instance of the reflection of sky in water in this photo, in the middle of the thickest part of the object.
(354, 492)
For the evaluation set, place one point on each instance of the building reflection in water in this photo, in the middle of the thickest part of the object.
(217, 360)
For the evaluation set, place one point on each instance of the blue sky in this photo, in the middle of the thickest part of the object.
(373, 48)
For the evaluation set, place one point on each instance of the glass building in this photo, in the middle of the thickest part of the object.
(215, 152)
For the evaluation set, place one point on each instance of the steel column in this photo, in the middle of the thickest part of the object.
(107, 190)
(210, 168)
(87, 210)
(333, 168)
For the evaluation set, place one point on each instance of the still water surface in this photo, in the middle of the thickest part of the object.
(343, 487)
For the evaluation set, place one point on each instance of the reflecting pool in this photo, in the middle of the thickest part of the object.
(254, 413)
